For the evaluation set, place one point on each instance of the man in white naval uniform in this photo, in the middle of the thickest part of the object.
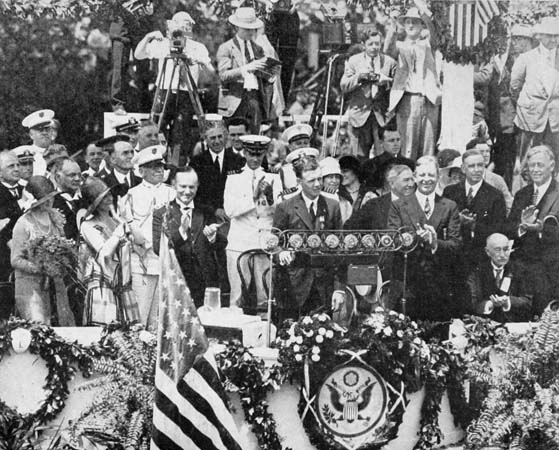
(137, 207)
(39, 124)
(250, 199)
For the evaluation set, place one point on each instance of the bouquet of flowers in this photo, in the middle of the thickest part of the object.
(53, 256)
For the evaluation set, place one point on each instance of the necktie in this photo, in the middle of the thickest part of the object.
(312, 213)
(535, 196)
(14, 192)
(216, 165)
(498, 277)
(185, 223)
(126, 182)
(427, 208)
(247, 53)
(470, 197)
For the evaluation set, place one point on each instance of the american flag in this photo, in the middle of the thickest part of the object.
(190, 410)
(469, 19)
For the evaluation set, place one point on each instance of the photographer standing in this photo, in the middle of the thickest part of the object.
(177, 46)
(366, 78)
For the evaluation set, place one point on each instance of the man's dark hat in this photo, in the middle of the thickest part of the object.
(110, 140)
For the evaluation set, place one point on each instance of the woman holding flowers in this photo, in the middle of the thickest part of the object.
(106, 259)
(41, 257)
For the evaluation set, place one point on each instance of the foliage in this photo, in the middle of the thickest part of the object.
(17, 430)
(53, 255)
(121, 413)
(253, 381)
(391, 343)
(521, 409)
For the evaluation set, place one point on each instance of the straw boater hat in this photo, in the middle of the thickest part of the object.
(246, 18)
(41, 189)
(330, 166)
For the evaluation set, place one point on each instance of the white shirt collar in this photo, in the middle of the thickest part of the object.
(421, 199)
(219, 157)
(10, 187)
(475, 187)
(542, 189)
(393, 197)
(185, 206)
(122, 178)
(149, 185)
(497, 269)
(308, 202)
(247, 169)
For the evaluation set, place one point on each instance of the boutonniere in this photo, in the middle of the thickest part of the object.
(321, 220)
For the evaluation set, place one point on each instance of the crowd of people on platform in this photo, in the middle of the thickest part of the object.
(486, 245)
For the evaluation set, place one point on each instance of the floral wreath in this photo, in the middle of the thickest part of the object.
(390, 342)
(60, 356)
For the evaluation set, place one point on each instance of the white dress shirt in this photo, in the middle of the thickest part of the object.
(542, 190)
(251, 82)
(219, 157)
(39, 163)
(422, 199)
(475, 188)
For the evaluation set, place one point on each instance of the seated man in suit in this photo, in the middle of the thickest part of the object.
(435, 220)
(366, 78)
(192, 232)
(482, 208)
(496, 288)
(309, 210)
(533, 224)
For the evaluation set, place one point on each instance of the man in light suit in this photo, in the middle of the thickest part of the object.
(192, 232)
(495, 76)
(250, 199)
(309, 210)
(416, 94)
(246, 91)
(535, 88)
(533, 223)
(437, 224)
(366, 76)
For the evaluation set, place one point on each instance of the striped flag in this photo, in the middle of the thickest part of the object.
(469, 19)
(190, 410)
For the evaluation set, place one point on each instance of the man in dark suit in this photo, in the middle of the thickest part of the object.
(121, 177)
(212, 167)
(246, 90)
(68, 177)
(481, 208)
(192, 232)
(375, 169)
(436, 222)
(496, 288)
(309, 210)
(533, 224)
(373, 215)
(10, 211)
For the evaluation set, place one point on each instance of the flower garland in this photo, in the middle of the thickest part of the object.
(247, 375)
(393, 345)
(60, 356)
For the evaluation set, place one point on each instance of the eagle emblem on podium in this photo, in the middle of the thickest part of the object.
(352, 403)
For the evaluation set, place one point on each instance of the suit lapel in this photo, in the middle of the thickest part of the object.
(416, 210)
(436, 215)
(174, 218)
(196, 224)
(322, 208)
(302, 211)
(548, 200)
